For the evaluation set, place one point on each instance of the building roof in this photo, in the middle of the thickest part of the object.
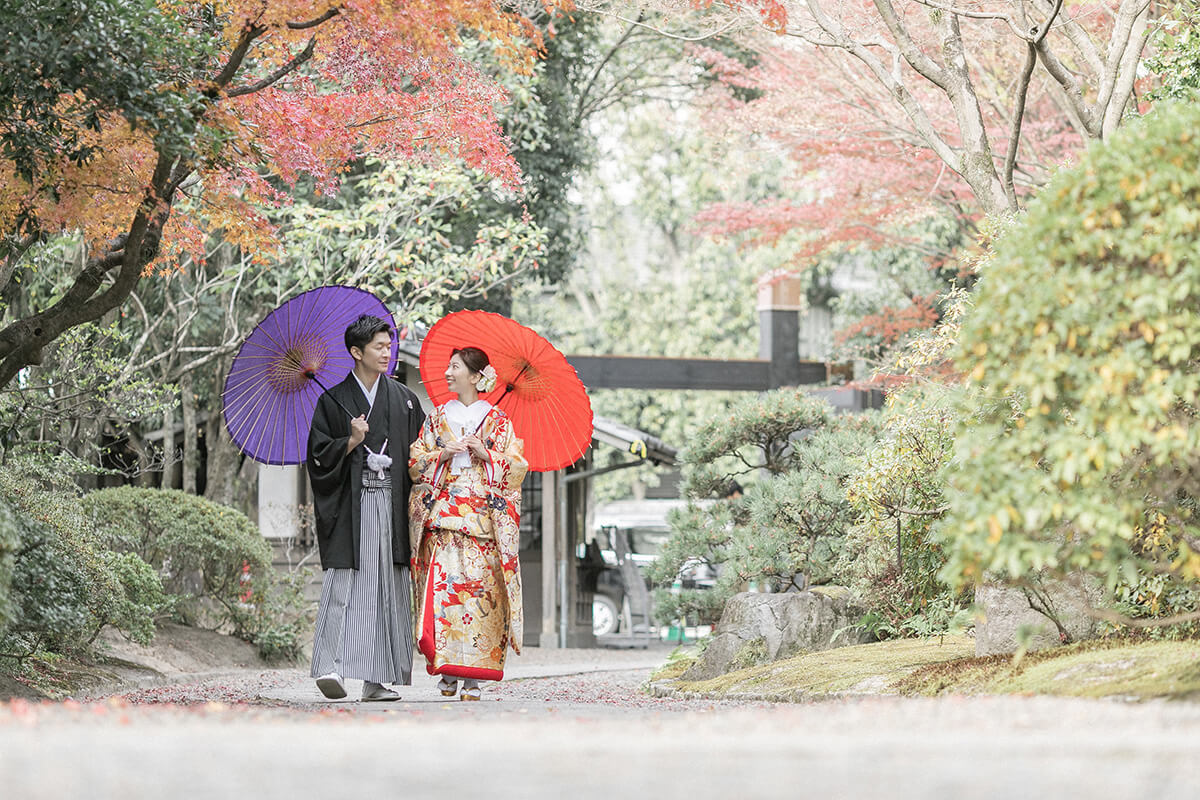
(632, 440)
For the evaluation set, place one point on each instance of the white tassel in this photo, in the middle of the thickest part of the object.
(378, 461)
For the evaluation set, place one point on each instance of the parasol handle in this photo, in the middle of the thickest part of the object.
(308, 373)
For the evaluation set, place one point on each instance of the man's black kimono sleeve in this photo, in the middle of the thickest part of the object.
(335, 485)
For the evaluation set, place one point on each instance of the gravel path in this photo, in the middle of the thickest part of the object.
(582, 729)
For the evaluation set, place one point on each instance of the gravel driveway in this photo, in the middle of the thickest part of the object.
(578, 727)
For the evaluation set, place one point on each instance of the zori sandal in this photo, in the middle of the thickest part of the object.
(470, 694)
(447, 688)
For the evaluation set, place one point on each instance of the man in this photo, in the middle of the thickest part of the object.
(364, 620)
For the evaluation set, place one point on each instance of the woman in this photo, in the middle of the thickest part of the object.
(465, 512)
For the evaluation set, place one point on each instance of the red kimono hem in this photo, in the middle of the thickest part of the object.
(474, 673)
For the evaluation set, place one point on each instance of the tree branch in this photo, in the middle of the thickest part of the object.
(917, 512)
(1072, 91)
(22, 341)
(237, 56)
(961, 12)
(312, 23)
(667, 34)
(17, 251)
(923, 64)
(296, 60)
(1014, 130)
(581, 102)
(892, 83)
(1120, 72)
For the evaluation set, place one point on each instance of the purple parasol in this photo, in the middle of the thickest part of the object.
(285, 363)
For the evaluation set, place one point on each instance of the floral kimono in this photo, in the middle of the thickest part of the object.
(464, 523)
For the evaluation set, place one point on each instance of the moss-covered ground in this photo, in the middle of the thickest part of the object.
(861, 668)
(1110, 668)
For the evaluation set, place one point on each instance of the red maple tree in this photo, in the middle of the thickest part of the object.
(892, 112)
(286, 90)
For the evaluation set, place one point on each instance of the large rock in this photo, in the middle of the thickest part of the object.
(1006, 610)
(756, 628)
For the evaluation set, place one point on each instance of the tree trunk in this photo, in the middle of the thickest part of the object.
(223, 458)
(245, 489)
(189, 433)
(139, 446)
(223, 455)
(169, 461)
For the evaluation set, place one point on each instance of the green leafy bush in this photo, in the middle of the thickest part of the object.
(1080, 451)
(788, 529)
(141, 599)
(65, 585)
(897, 493)
(51, 598)
(200, 549)
(210, 558)
(1175, 54)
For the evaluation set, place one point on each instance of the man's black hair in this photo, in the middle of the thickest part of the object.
(363, 330)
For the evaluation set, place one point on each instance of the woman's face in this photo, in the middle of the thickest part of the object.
(459, 376)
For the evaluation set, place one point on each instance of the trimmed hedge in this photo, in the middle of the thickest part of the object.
(210, 558)
(59, 586)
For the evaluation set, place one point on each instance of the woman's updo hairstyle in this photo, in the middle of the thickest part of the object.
(472, 357)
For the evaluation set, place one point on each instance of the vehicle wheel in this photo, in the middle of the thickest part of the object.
(605, 616)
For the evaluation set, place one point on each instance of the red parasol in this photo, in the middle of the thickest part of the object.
(535, 384)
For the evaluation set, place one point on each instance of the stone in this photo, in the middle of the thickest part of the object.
(1006, 610)
(757, 628)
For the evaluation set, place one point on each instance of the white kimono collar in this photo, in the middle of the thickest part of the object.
(464, 421)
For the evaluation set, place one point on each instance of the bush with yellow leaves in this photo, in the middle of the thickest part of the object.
(1080, 451)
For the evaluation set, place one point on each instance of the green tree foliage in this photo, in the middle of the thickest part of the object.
(551, 141)
(85, 381)
(1177, 53)
(1080, 452)
(103, 57)
(897, 494)
(788, 529)
(892, 557)
(654, 288)
(413, 234)
(595, 73)
(894, 298)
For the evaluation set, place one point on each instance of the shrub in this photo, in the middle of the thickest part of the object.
(788, 528)
(65, 587)
(52, 601)
(142, 598)
(1083, 453)
(897, 493)
(210, 558)
(201, 550)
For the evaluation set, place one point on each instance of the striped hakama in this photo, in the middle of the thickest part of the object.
(364, 620)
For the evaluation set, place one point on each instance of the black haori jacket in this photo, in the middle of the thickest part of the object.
(336, 476)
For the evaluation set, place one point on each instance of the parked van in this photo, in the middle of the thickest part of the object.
(643, 530)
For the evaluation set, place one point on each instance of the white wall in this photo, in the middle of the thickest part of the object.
(279, 498)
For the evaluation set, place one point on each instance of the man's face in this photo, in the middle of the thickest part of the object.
(376, 355)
